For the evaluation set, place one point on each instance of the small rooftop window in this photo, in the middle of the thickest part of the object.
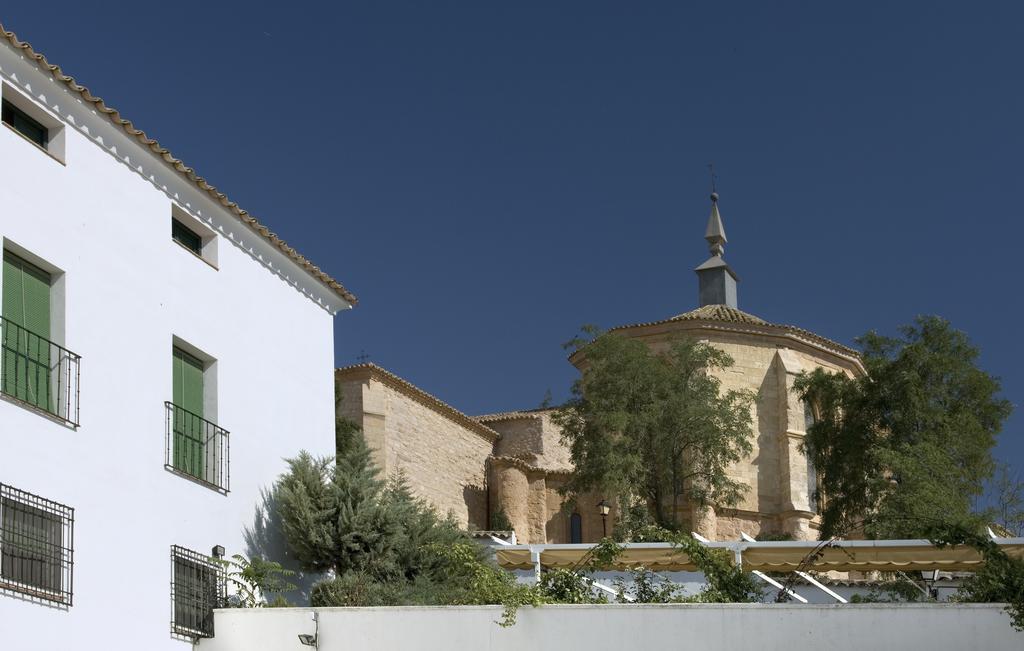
(186, 237)
(191, 233)
(26, 117)
(21, 122)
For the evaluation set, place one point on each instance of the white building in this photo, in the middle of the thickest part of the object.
(145, 316)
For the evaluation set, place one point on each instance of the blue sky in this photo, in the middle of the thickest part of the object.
(487, 178)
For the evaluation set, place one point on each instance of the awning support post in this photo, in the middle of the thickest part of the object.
(770, 581)
(821, 586)
(535, 559)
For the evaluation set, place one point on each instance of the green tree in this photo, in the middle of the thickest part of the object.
(1006, 496)
(500, 521)
(1001, 577)
(654, 429)
(382, 545)
(345, 431)
(254, 580)
(333, 515)
(910, 443)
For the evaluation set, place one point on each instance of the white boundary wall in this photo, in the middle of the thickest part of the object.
(705, 627)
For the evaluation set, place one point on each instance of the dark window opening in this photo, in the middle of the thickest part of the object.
(21, 122)
(813, 490)
(196, 589)
(36, 538)
(186, 237)
(575, 528)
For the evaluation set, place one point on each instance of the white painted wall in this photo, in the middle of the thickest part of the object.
(104, 218)
(707, 627)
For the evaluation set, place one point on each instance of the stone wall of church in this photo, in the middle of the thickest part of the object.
(443, 460)
(521, 438)
(534, 438)
(530, 465)
(539, 513)
(518, 462)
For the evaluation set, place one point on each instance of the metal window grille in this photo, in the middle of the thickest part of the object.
(36, 546)
(38, 373)
(197, 587)
(197, 448)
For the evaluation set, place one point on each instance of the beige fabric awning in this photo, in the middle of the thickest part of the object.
(664, 558)
(843, 556)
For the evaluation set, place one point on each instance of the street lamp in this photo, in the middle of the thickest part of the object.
(604, 508)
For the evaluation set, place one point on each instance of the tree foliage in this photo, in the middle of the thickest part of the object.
(500, 521)
(911, 441)
(725, 582)
(654, 428)
(345, 431)
(378, 541)
(1006, 496)
(254, 580)
(1001, 577)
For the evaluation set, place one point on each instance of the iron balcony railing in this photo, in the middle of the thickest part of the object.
(38, 372)
(197, 448)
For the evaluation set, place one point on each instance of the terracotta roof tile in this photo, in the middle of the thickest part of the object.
(726, 314)
(114, 116)
(514, 415)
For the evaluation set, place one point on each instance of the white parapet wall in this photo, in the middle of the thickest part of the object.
(705, 627)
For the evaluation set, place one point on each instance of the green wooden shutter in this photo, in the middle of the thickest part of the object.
(189, 428)
(26, 370)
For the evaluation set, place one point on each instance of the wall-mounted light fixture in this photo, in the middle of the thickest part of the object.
(314, 639)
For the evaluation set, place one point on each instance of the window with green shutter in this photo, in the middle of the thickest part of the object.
(189, 428)
(26, 369)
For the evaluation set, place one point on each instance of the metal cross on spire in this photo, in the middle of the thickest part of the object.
(715, 233)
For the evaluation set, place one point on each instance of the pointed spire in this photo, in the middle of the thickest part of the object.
(716, 278)
(715, 233)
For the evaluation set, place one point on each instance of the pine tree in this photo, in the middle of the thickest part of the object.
(383, 545)
(333, 515)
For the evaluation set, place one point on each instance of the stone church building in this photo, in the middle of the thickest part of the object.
(515, 462)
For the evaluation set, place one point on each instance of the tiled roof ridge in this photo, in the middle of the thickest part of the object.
(514, 415)
(178, 165)
(421, 396)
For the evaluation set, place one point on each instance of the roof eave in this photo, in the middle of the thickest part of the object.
(140, 136)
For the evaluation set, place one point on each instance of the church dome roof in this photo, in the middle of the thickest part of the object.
(720, 315)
